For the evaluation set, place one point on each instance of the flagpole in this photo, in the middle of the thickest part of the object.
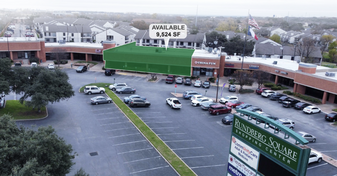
(244, 45)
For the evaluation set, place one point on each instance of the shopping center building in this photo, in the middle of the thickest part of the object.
(305, 78)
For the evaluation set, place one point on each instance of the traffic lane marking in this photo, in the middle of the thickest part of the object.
(317, 166)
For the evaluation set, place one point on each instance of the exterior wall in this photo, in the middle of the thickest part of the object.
(315, 82)
(118, 38)
(307, 69)
(212, 63)
(332, 98)
(100, 37)
(75, 50)
(300, 89)
(20, 46)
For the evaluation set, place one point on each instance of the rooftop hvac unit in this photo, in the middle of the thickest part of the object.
(329, 74)
(275, 62)
(62, 42)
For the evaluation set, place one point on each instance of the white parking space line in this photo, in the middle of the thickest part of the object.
(131, 151)
(317, 166)
(223, 125)
(120, 129)
(124, 135)
(148, 169)
(114, 123)
(202, 156)
(318, 143)
(170, 134)
(163, 128)
(130, 142)
(328, 151)
(181, 140)
(218, 165)
(142, 159)
(189, 148)
(157, 117)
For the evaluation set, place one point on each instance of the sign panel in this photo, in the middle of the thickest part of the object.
(244, 152)
(240, 166)
(277, 148)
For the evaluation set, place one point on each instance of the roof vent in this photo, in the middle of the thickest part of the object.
(329, 74)
(275, 62)
(62, 41)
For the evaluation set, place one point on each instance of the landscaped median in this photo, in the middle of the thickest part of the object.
(19, 111)
(164, 150)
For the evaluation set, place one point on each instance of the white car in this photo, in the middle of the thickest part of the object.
(267, 93)
(33, 64)
(197, 83)
(224, 100)
(315, 157)
(307, 136)
(179, 80)
(198, 101)
(93, 89)
(51, 66)
(194, 97)
(174, 103)
(117, 86)
(311, 110)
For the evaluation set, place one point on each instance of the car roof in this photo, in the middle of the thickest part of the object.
(311, 107)
(137, 99)
(99, 97)
(218, 105)
(173, 98)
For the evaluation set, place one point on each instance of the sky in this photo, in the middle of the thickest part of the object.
(261, 8)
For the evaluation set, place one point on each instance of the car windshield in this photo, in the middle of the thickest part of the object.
(80, 67)
(206, 82)
(227, 97)
(197, 81)
(229, 117)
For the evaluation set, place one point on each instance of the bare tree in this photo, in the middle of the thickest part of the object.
(261, 77)
(305, 47)
(58, 54)
(243, 77)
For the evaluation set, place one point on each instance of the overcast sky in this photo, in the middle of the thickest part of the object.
(263, 8)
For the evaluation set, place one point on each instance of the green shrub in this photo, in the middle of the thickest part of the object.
(307, 98)
(276, 88)
(334, 110)
(103, 68)
(288, 92)
(212, 79)
(61, 62)
(246, 91)
(269, 85)
(34, 59)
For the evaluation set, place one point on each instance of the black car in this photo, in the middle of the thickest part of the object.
(109, 72)
(289, 102)
(281, 99)
(301, 105)
(81, 69)
(228, 119)
(188, 82)
(253, 108)
(276, 96)
(206, 84)
(332, 117)
(126, 90)
(243, 106)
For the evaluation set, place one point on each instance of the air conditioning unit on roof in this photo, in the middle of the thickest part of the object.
(330, 74)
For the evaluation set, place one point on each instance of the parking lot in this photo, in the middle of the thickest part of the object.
(199, 138)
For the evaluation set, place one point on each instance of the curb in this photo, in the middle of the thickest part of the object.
(23, 120)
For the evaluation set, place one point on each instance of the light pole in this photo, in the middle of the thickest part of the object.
(294, 50)
(217, 80)
(282, 52)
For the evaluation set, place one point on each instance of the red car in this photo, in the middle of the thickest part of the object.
(260, 90)
(219, 109)
(233, 103)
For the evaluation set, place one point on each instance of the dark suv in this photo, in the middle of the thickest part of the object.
(275, 96)
(109, 72)
(219, 109)
(331, 117)
(189, 93)
(301, 105)
(139, 102)
(170, 79)
(281, 99)
(289, 103)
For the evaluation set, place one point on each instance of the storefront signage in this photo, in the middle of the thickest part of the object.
(229, 65)
(254, 67)
(240, 166)
(245, 152)
(282, 72)
(98, 51)
(205, 63)
(280, 150)
(277, 71)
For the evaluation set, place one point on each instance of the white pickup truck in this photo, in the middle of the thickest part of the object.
(93, 89)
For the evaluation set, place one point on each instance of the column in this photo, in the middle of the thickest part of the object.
(325, 94)
(86, 57)
(71, 56)
(276, 79)
(11, 55)
(295, 88)
(332, 98)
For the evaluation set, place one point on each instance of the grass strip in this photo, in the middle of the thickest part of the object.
(165, 151)
(21, 112)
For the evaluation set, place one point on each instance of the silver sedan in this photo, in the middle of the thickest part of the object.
(100, 99)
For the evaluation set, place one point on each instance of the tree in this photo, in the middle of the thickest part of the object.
(81, 172)
(58, 54)
(243, 77)
(276, 38)
(140, 25)
(263, 32)
(325, 41)
(235, 45)
(333, 51)
(214, 36)
(261, 77)
(305, 47)
(194, 30)
(32, 152)
(45, 86)
(5, 72)
(228, 25)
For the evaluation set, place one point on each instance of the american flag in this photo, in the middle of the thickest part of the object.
(252, 22)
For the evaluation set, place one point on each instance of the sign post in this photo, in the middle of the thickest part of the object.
(175, 88)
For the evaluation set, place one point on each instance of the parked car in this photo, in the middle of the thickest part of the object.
(194, 97)
(289, 102)
(253, 108)
(243, 106)
(281, 99)
(315, 157)
(200, 100)
(174, 103)
(100, 99)
(170, 79)
(206, 105)
(233, 103)
(265, 115)
(224, 100)
(109, 72)
(115, 86)
(197, 83)
(127, 99)
(228, 119)
(275, 96)
(179, 80)
(93, 89)
(187, 82)
(2, 101)
(231, 88)
(301, 105)
(81, 69)
(33, 64)
(331, 117)
(260, 90)
(124, 90)
(51, 66)
(311, 109)
(286, 122)
(138, 102)
(189, 93)
(17, 64)
(219, 109)
(206, 84)
(267, 93)
(307, 136)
